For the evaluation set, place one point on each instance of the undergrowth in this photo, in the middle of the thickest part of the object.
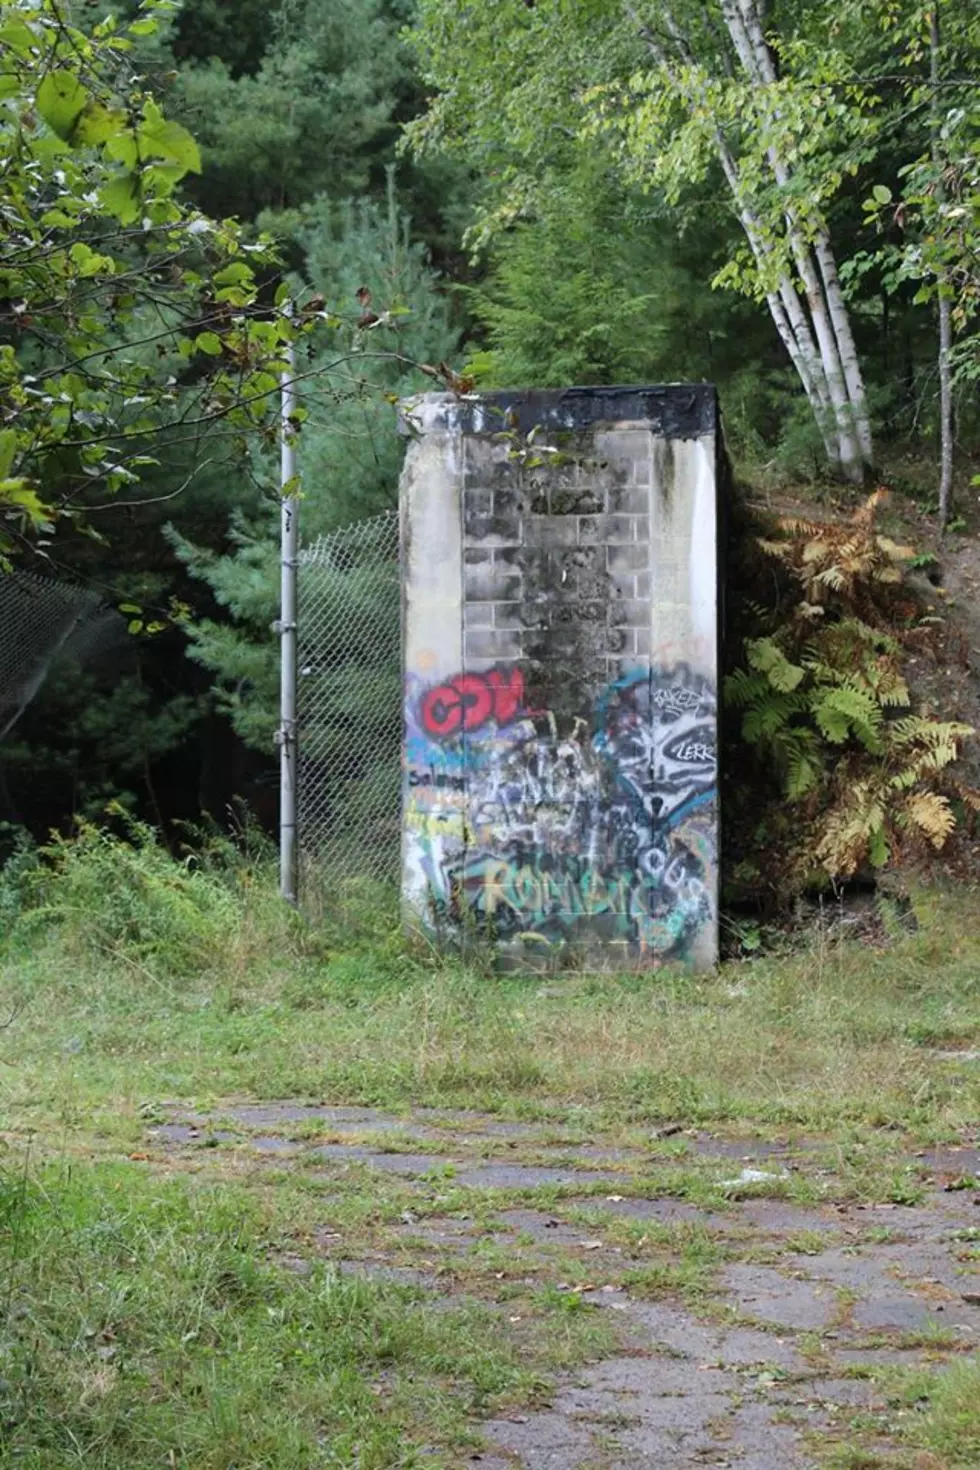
(845, 775)
(936, 1413)
(120, 895)
(133, 976)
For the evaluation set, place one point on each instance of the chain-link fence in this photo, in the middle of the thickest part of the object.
(38, 617)
(350, 706)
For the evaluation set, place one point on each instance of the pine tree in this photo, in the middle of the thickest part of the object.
(349, 451)
(598, 285)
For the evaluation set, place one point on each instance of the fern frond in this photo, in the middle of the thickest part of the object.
(968, 795)
(764, 721)
(932, 814)
(893, 550)
(850, 830)
(843, 711)
(892, 691)
(743, 686)
(831, 577)
(879, 850)
(813, 551)
(768, 658)
(795, 526)
(910, 729)
(804, 771)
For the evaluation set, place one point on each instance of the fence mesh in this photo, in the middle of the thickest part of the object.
(350, 706)
(37, 619)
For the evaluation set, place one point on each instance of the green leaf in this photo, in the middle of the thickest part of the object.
(236, 274)
(18, 36)
(121, 198)
(8, 449)
(130, 607)
(208, 342)
(881, 194)
(161, 179)
(61, 100)
(58, 218)
(162, 139)
(97, 124)
(123, 148)
(146, 27)
(8, 452)
(88, 262)
(17, 492)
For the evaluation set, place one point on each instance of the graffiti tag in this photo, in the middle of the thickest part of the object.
(442, 780)
(468, 701)
(607, 827)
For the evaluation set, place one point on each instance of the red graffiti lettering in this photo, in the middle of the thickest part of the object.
(508, 694)
(469, 701)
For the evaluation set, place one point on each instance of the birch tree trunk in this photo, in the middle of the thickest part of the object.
(817, 334)
(945, 305)
(815, 262)
(788, 312)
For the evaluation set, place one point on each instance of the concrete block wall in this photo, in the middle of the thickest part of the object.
(561, 667)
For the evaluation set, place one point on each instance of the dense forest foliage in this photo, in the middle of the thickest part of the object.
(783, 198)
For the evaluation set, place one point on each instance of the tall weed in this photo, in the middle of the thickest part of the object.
(123, 898)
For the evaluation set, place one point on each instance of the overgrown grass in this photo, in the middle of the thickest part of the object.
(135, 978)
(147, 1323)
(938, 1416)
(149, 1317)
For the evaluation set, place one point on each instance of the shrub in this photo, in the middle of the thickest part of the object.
(859, 775)
(125, 897)
(18, 861)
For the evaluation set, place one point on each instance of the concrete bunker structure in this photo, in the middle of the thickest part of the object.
(561, 645)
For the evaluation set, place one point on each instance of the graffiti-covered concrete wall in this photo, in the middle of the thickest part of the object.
(561, 666)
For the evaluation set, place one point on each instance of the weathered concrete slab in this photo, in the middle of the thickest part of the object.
(561, 631)
(806, 1307)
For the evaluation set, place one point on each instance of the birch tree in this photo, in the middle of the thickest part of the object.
(677, 87)
(781, 169)
(945, 364)
(931, 219)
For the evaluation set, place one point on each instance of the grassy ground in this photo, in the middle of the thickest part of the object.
(147, 1316)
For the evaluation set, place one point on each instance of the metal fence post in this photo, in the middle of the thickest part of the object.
(287, 628)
